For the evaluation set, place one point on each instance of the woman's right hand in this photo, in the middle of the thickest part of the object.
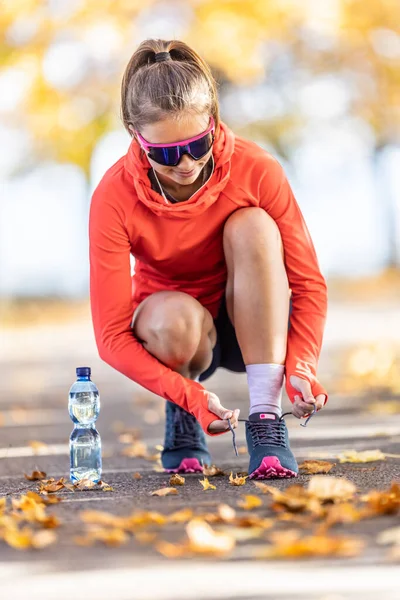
(221, 424)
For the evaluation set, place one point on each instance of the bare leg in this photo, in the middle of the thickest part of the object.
(257, 290)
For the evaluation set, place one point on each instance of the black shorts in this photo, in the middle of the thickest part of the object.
(226, 352)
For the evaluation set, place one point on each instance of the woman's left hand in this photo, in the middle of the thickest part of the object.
(304, 403)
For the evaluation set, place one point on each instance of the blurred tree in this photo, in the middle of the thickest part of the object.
(64, 61)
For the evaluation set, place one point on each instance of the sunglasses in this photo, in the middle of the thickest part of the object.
(169, 155)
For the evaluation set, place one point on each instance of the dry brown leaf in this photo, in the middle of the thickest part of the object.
(249, 502)
(43, 499)
(84, 484)
(295, 498)
(144, 518)
(98, 517)
(292, 546)
(213, 471)
(385, 502)
(352, 456)
(243, 450)
(204, 540)
(38, 447)
(206, 484)
(237, 480)
(255, 521)
(110, 537)
(242, 534)
(339, 513)
(50, 485)
(176, 479)
(3, 504)
(35, 476)
(313, 467)
(334, 489)
(181, 516)
(165, 491)
(137, 476)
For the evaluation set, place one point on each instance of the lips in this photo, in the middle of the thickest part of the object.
(186, 173)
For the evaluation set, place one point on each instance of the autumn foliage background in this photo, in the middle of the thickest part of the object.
(316, 83)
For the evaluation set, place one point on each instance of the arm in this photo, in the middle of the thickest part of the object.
(309, 292)
(112, 308)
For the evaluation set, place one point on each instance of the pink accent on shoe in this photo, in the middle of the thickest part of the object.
(188, 465)
(267, 416)
(271, 468)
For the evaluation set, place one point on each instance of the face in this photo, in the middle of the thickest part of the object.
(177, 130)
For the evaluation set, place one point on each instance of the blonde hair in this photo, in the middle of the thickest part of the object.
(152, 91)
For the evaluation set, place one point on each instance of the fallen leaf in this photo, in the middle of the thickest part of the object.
(334, 489)
(42, 539)
(50, 485)
(35, 476)
(98, 517)
(313, 467)
(145, 537)
(242, 534)
(84, 484)
(242, 450)
(339, 513)
(213, 471)
(110, 537)
(294, 547)
(206, 484)
(181, 516)
(38, 447)
(165, 491)
(3, 503)
(204, 540)
(255, 521)
(237, 480)
(250, 502)
(137, 476)
(136, 450)
(170, 550)
(176, 479)
(295, 498)
(385, 502)
(352, 456)
(226, 513)
(18, 539)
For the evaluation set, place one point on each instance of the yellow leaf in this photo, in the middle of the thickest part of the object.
(170, 550)
(20, 540)
(204, 540)
(212, 471)
(137, 476)
(176, 479)
(352, 456)
(99, 517)
(35, 476)
(110, 537)
(3, 503)
(385, 502)
(145, 537)
(250, 502)
(313, 467)
(333, 489)
(165, 491)
(226, 513)
(181, 516)
(237, 480)
(206, 484)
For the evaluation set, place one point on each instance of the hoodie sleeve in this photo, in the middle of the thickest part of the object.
(112, 309)
(309, 291)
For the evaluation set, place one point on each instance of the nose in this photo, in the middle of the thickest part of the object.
(186, 163)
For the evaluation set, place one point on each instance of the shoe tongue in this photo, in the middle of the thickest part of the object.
(263, 416)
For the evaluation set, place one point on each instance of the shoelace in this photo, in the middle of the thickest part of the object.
(184, 428)
(274, 433)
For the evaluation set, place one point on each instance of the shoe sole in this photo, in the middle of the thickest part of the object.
(188, 465)
(271, 468)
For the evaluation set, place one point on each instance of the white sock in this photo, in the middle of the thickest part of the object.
(265, 388)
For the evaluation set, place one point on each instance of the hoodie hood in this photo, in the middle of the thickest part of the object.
(137, 165)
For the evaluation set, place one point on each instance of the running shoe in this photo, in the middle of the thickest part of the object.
(269, 448)
(185, 446)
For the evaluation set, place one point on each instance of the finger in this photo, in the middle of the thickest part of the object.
(299, 402)
(306, 391)
(320, 401)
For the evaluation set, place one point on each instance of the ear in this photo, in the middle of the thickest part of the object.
(132, 131)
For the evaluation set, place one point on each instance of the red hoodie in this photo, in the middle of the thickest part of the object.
(179, 247)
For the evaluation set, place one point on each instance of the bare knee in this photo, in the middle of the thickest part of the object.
(252, 227)
(175, 328)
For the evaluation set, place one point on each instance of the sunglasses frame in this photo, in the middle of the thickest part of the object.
(147, 146)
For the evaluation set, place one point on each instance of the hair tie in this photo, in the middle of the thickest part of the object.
(162, 56)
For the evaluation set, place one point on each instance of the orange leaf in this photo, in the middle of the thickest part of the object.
(176, 479)
(165, 491)
(313, 467)
(335, 489)
(212, 471)
(204, 540)
(250, 502)
(137, 476)
(38, 447)
(35, 476)
(237, 480)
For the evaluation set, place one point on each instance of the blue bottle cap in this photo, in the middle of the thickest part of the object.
(83, 371)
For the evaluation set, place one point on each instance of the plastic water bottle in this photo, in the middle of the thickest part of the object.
(84, 442)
